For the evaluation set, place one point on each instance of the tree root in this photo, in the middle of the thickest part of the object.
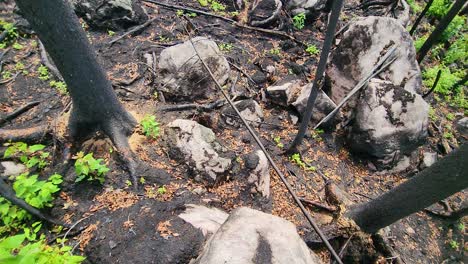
(18, 112)
(30, 134)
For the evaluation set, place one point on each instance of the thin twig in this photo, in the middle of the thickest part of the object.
(420, 17)
(71, 228)
(205, 107)
(270, 159)
(132, 30)
(259, 122)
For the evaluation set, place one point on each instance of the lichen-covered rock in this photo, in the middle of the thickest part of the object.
(249, 109)
(259, 175)
(183, 76)
(306, 6)
(361, 47)
(198, 147)
(390, 122)
(110, 14)
(251, 236)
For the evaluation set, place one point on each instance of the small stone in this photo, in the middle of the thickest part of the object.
(429, 158)
(199, 190)
(112, 244)
(462, 126)
(10, 168)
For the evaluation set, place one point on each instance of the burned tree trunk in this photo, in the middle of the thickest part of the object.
(431, 185)
(444, 23)
(95, 105)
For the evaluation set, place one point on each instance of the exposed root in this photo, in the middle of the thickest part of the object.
(270, 19)
(30, 134)
(18, 112)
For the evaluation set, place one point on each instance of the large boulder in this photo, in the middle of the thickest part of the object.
(198, 147)
(208, 220)
(183, 76)
(390, 123)
(389, 117)
(251, 236)
(110, 14)
(361, 47)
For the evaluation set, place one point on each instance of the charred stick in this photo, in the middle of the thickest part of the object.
(132, 30)
(18, 112)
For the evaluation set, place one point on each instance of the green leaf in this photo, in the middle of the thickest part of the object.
(35, 148)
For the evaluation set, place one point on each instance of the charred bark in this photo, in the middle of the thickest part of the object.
(435, 35)
(444, 178)
(95, 105)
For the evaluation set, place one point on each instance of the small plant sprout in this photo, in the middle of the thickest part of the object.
(142, 180)
(128, 183)
(6, 75)
(275, 51)
(162, 190)
(454, 244)
(278, 142)
(299, 21)
(450, 116)
(312, 49)
(296, 158)
(149, 126)
(110, 33)
(43, 73)
(17, 46)
(87, 167)
(179, 12)
(432, 114)
(461, 226)
(225, 46)
(60, 86)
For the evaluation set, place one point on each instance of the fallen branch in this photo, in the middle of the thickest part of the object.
(18, 112)
(231, 21)
(325, 207)
(259, 122)
(270, 159)
(204, 107)
(382, 64)
(45, 60)
(132, 30)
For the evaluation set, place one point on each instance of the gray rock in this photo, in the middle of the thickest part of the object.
(359, 50)
(322, 107)
(462, 126)
(306, 6)
(250, 236)
(110, 14)
(197, 146)
(260, 173)
(10, 168)
(249, 109)
(429, 158)
(400, 12)
(183, 76)
(284, 92)
(208, 220)
(390, 122)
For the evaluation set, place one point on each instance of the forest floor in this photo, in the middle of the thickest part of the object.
(420, 238)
